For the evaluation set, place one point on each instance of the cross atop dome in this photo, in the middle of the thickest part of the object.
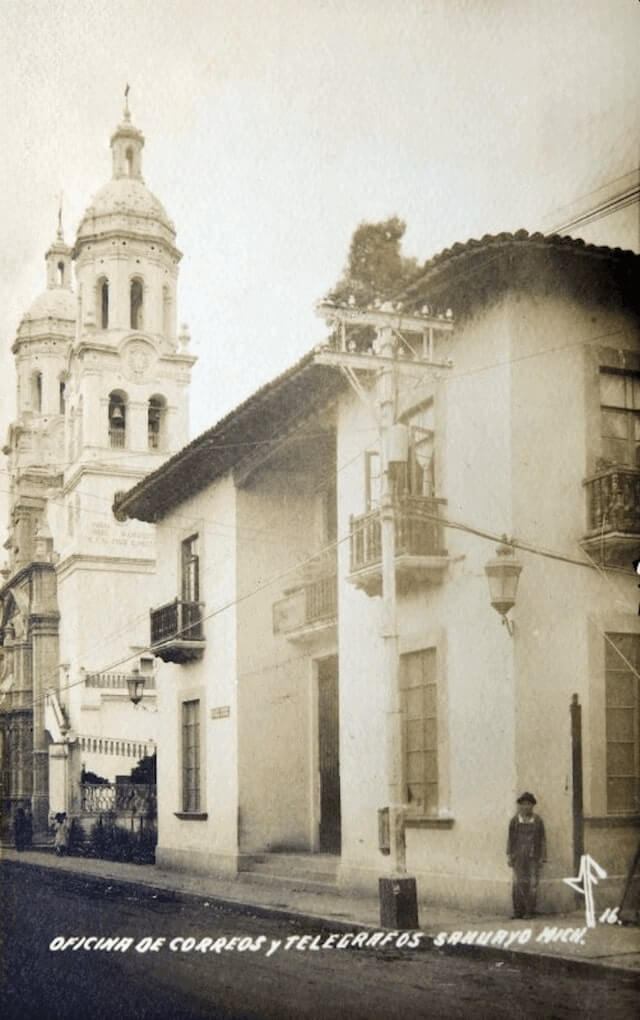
(58, 258)
(127, 143)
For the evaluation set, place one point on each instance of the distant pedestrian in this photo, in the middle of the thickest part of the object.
(61, 828)
(526, 853)
(28, 825)
(19, 828)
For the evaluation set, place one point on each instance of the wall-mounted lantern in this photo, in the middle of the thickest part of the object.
(503, 573)
(135, 683)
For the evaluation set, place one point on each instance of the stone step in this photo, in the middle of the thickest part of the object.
(323, 867)
(288, 883)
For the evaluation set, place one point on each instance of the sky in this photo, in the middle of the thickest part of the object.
(273, 127)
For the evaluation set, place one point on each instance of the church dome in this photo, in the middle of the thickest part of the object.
(53, 303)
(125, 204)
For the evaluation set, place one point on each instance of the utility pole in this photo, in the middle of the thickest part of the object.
(395, 779)
(398, 896)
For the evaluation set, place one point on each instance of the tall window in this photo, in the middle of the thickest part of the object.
(622, 657)
(190, 570)
(620, 417)
(419, 707)
(36, 391)
(60, 274)
(417, 476)
(61, 402)
(103, 299)
(190, 756)
(136, 304)
(117, 420)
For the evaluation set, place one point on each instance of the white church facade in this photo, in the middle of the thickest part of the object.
(102, 399)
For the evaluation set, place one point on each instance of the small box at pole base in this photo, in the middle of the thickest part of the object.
(398, 903)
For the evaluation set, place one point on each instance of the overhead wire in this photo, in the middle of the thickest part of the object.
(445, 522)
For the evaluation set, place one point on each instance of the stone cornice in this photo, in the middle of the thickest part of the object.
(104, 564)
(103, 470)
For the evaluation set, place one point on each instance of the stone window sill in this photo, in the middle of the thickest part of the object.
(191, 816)
(614, 821)
(428, 822)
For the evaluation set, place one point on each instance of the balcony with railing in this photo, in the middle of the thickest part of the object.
(421, 556)
(308, 609)
(115, 681)
(177, 633)
(113, 686)
(613, 516)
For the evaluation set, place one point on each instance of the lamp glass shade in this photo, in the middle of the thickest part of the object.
(135, 684)
(503, 574)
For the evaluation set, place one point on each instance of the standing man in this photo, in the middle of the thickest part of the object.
(19, 822)
(526, 853)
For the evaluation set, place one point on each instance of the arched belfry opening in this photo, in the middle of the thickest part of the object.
(156, 422)
(117, 419)
(136, 296)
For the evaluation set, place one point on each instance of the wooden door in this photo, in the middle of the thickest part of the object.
(329, 754)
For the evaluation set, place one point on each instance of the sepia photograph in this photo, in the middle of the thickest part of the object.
(319, 509)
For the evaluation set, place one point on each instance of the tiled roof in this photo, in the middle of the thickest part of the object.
(264, 415)
(442, 267)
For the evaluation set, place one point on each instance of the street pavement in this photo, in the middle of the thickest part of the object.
(611, 946)
(182, 956)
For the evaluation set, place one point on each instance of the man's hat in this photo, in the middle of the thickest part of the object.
(526, 797)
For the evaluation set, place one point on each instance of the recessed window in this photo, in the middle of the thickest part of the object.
(420, 714)
(190, 570)
(61, 402)
(622, 705)
(60, 274)
(36, 391)
(191, 756)
(136, 296)
(620, 417)
(103, 299)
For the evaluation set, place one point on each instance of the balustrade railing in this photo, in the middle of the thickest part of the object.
(418, 532)
(116, 681)
(311, 603)
(321, 599)
(117, 438)
(613, 500)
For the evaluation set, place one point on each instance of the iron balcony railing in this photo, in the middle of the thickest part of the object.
(418, 532)
(178, 620)
(121, 797)
(613, 501)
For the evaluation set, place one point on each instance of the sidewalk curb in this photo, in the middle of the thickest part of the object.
(326, 923)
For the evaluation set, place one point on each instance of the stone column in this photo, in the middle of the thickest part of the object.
(44, 636)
